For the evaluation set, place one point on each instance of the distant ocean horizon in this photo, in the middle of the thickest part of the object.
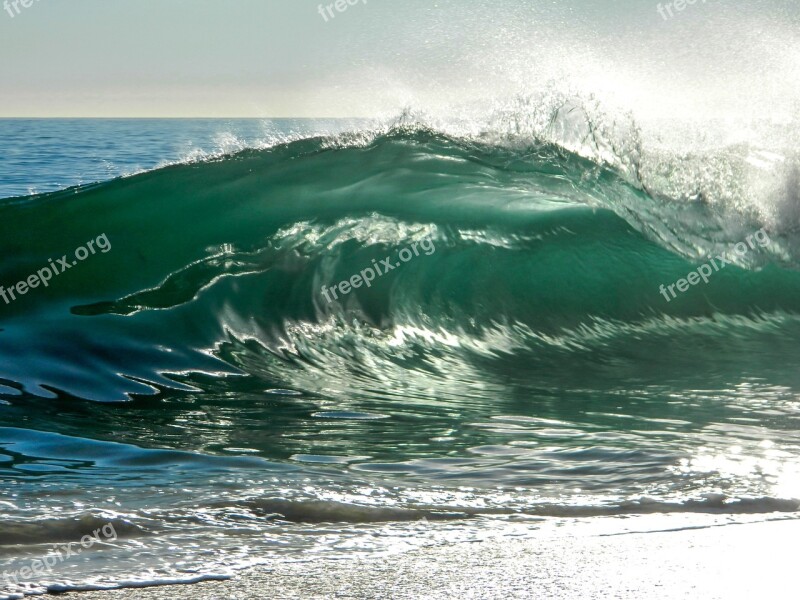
(47, 154)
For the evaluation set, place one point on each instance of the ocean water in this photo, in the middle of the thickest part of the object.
(195, 376)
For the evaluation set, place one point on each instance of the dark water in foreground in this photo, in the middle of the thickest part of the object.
(188, 381)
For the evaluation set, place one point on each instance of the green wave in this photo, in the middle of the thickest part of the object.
(546, 265)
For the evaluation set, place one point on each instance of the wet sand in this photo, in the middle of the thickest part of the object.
(749, 560)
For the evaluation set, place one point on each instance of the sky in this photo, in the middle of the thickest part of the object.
(282, 58)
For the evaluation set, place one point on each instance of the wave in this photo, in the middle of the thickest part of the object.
(542, 257)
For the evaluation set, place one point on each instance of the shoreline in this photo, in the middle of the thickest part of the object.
(735, 560)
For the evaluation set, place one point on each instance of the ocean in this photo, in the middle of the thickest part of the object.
(233, 343)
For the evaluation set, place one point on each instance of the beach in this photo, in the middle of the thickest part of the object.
(738, 561)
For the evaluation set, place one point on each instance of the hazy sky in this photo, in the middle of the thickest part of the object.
(275, 58)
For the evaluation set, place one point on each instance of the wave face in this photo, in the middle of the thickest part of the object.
(513, 355)
(530, 264)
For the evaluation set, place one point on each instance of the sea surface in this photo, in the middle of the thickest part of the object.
(188, 378)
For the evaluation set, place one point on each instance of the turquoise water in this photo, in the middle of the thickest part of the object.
(186, 380)
(44, 155)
